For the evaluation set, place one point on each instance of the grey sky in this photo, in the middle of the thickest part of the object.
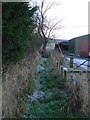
(75, 17)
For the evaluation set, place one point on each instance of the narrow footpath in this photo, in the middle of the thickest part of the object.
(49, 100)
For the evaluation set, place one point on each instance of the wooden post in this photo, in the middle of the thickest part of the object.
(71, 61)
(61, 71)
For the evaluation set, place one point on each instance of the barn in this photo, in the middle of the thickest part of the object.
(80, 46)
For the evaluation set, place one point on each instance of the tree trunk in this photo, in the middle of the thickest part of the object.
(44, 46)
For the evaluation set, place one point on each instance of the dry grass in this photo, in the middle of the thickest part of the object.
(17, 80)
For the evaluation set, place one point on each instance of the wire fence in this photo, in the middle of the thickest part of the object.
(80, 62)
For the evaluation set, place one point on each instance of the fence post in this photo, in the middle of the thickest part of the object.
(71, 61)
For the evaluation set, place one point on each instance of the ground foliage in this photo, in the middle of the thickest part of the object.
(50, 99)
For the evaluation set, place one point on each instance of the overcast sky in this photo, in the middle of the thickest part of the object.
(75, 17)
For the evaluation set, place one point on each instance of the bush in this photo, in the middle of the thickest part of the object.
(17, 30)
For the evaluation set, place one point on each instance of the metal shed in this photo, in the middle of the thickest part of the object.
(80, 46)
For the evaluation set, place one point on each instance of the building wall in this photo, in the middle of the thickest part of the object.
(71, 47)
(84, 48)
(79, 41)
(79, 44)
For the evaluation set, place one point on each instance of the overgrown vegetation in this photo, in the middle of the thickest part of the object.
(18, 47)
(18, 82)
(17, 29)
(50, 98)
(53, 100)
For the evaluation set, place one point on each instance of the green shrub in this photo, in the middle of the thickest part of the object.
(17, 30)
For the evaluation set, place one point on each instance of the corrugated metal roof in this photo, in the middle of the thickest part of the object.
(56, 40)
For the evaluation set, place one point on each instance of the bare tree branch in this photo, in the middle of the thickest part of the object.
(48, 7)
(45, 27)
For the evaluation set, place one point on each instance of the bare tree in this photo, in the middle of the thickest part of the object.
(45, 27)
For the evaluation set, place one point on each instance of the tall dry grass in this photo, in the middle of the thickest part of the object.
(17, 83)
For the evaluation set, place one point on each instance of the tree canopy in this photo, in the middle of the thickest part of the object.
(17, 28)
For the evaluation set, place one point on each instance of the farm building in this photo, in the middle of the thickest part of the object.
(55, 44)
(80, 46)
(63, 45)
